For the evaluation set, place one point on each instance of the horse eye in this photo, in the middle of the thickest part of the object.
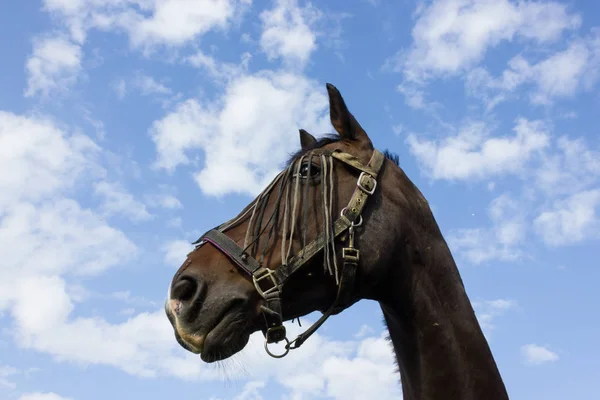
(314, 170)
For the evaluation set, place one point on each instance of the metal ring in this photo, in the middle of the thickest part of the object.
(287, 349)
(360, 221)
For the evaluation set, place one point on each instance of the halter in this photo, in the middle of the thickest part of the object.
(269, 282)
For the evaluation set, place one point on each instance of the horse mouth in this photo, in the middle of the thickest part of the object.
(229, 333)
(227, 338)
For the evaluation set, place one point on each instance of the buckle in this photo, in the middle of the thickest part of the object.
(262, 274)
(350, 254)
(275, 334)
(362, 187)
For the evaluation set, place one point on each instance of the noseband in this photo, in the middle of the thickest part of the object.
(269, 282)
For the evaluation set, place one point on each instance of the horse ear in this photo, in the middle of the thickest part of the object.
(306, 139)
(342, 120)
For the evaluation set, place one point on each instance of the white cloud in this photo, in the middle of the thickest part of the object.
(287, 32)
(167, 201)
(6, 371)
(472, 154)
(560, 75)
(120, 88)
(117, 201)
(148, 23)
(27, 174)
(47, 237)
(487, 311)
(163, 196)
(143, 345)
(364, 331)
(178, 21)
(537, 355)
(246, 135)
(571, 220)
(175, 252)
(145, 85)
(67, 6)
(501, 241)
(57, 237)
(251, 391)
(174, 222)
(323, 367)
(43, 396)
(184, 128)
(148, 85)
(126, 297)
(220, 71)
(38, 247)
(501, 304)
(413, 96)
(372, 372)
(569, 168)
(563, 175)
(510, 228)
(53, 66)
(450, 36)
(127, 311)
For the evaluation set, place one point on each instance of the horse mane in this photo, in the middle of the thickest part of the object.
(325, 140)
(393, 157)
(334, 138)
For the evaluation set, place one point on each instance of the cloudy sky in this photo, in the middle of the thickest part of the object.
(129, 127)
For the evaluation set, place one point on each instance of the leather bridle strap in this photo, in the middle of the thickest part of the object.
(232, 250)
(269, 282)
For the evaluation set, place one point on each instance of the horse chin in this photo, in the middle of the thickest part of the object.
(229, 337)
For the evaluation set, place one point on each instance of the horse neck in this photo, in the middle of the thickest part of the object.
(440, 349)
(439, 345)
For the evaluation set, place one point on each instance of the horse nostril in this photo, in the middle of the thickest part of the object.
(187, 295)
(184, 289)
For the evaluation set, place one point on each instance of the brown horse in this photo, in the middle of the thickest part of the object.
(340, 223)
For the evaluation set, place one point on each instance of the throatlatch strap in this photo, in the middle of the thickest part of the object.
(346, 283)
(365, 186)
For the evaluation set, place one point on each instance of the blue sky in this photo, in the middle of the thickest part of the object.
(129, 127)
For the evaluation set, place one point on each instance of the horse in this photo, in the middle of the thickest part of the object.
(340, 223)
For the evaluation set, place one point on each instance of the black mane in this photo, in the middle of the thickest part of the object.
(393, 157)
(333, 138)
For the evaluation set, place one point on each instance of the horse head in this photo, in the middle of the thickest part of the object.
(308, 242)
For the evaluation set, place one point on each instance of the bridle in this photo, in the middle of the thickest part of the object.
(269, 282)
